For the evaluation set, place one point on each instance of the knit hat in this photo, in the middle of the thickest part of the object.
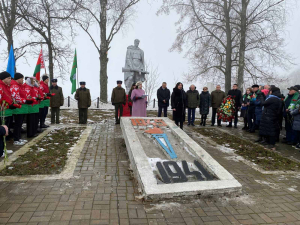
(54, 80)
(82, 83)
(18, 76)
(4, 75)
(273, 89)
(119, 82)
(255, 86)
(45, 77)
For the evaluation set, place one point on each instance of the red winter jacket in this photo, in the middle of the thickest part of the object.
(28, 91)
(18, 92)
(5, 93)
(44, 87)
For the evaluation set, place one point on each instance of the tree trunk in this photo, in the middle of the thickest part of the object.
(51, 65)
(228, 47)
(49, 43)
(103, 76)
(103, 52)
(242, 45)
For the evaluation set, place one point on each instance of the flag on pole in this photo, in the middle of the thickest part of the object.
(39, 65)
(73, 74)
(11, 63)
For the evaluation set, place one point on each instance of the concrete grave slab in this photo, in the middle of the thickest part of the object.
(166, 162)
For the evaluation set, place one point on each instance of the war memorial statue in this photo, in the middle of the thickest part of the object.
(134, 69)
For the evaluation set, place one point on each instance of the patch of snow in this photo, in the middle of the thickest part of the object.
(271, 185)
(235, 158)
(9, 151)
(10, 168)
(225, 149)
(41, 149)
(188, 151)
(164, 206)
(293, 188)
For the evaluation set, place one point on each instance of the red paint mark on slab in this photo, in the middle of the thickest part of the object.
(154, 131)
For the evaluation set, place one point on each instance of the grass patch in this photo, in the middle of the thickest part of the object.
(268, 160)
(71, 116)
(48, 156)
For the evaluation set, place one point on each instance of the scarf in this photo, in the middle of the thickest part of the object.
(293, 101)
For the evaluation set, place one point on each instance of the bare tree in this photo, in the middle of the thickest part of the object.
(9, 20)
(152, 81)
(46, 21)
(209, 35)
(110, 16)
(260, 40)
(222, 37)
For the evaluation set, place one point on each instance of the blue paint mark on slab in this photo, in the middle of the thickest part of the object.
(168, 148)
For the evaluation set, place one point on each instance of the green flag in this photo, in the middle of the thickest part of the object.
(73, 74)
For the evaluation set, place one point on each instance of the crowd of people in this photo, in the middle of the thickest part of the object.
(264, 108)
(26, 100)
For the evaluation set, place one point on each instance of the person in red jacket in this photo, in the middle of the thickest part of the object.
(45, 89)
(28, 86)
(6, 100)
(38, 95)
(19, 96)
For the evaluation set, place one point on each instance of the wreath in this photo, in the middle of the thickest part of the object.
(227, 109)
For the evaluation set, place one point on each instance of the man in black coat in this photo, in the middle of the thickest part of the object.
(237, 95)
(163, 96)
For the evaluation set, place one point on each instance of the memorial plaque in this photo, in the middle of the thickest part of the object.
(166, 162)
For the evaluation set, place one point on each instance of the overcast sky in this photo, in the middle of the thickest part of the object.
(156, 34)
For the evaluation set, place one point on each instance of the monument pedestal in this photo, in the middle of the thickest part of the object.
(166, 162)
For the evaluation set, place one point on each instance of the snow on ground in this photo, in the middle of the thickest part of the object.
(271, 185)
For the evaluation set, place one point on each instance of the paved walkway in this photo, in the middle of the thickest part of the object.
(102, 192)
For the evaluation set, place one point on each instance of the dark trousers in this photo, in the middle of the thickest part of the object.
(45, 113)
(245, 122)
(191, 115)
(55, 115)
(130, 107)
(213, 119)
(290, 133)
(298, 137)
(179, 122)
(251, 120)
(36, 122)
(235, 119)
(83, 115)
(30, 125)
(203, 119)
(18, 126)
(160, 109)
(117, 115)
(41, 117)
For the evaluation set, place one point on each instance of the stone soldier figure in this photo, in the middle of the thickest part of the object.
(83, 97)
(134, 69)
(56, 101)
(118, 99)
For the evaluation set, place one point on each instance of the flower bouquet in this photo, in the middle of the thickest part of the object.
(227, 109)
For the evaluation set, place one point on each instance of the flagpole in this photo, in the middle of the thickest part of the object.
(77, 70)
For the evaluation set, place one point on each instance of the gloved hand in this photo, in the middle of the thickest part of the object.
(49, 95)
(28, 102)
(39, 99)
(12, 106)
